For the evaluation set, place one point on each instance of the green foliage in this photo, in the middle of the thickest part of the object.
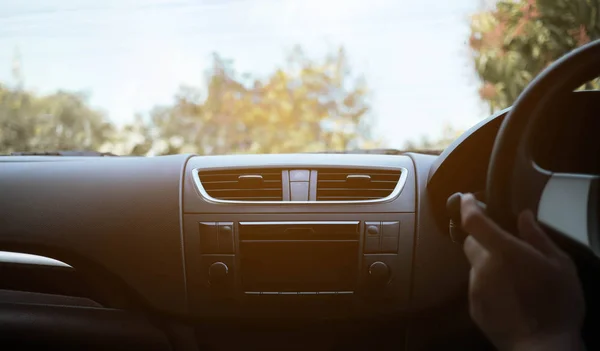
(518, 39)
(515, 41)
(307, 105)
(61, 121)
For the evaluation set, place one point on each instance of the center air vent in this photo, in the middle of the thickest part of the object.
(243, 184)
(343, 184)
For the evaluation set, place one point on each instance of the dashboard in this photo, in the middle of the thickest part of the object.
(204, 239)
(229, 243)
(211, 251)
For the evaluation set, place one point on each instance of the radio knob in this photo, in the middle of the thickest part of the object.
(217, 272)
(379, 272)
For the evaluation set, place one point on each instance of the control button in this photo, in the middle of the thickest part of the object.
(299, 176)
(389, 240)
(390, 228)
(372, 244)
(209, 242)
(299, 191)
(389, 244)
(217, 272)
(372, 239)
(225, 238)
(372, 230)
(379, 272)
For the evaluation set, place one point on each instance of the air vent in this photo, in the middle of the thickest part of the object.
(355, 184)
(243, 184)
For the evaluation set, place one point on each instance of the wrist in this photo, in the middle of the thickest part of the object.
(556, 342)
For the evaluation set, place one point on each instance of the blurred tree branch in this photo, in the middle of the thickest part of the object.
(515, 40)
(307, 105)
(60, 121)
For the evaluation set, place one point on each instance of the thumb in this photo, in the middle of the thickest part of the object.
(531, 232)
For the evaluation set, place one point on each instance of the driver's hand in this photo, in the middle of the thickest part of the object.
(524, 291)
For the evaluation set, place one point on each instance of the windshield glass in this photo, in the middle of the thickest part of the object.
(160, 77)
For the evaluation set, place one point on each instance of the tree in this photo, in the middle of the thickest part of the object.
(131, 139)
(305, 106)
(60, 121)
(517, 39)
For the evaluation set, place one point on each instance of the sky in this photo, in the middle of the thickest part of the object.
(129, 55)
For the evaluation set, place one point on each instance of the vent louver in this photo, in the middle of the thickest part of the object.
(355, 184)
(243, 184)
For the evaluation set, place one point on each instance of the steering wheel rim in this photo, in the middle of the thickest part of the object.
(515, 182)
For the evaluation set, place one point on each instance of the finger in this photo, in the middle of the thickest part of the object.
(531, 232)
(476, 296)
(475, 252)
(480, 226)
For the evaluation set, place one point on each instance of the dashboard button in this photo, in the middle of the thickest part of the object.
(390, 229)
(389, 239)
(209, 242)
(225, 238)
(217, 272)
(299, 175)
(389, 244)
(379, 272)
(372, 244)
(299, 191)
(373, 229)
(372, 238)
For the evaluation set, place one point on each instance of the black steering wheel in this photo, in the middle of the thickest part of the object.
(566, 203)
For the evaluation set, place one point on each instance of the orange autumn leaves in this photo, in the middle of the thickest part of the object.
(305, 105)
(515, 40)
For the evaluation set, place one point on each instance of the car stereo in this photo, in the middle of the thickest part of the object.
(303, 257)
(260, 265)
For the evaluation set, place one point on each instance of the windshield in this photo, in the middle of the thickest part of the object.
(263, 76)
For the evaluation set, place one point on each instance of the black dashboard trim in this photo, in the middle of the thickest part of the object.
(439, 269)
(119, 215)
(453, 149)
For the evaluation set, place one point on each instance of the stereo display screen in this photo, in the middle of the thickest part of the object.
(304, 257)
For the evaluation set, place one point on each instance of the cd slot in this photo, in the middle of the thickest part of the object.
(299, 231)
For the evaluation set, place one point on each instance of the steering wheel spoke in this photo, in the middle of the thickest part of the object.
(569, 205)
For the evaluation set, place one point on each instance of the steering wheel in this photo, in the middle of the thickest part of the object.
(566, 203)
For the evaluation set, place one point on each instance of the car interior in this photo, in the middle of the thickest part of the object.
(314, 251)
